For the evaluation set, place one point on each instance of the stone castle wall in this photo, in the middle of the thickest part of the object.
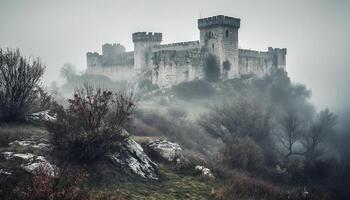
(173, 67)
(171, 64)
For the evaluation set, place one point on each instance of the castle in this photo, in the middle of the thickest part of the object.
(169, 64)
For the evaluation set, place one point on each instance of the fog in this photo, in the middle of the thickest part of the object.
(314, 32)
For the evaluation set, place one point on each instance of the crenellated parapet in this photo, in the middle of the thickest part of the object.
(189, 43)
(112, 49)
(93, 59)
(219, 20)
(177, 46)
(147, 37)
(282, 51)
(253, 53)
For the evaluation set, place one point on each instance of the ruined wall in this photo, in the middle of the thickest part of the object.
(261, 63)
(114, 63)
(172, 67)
(113, 72)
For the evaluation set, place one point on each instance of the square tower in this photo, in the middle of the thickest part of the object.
(143, 44)
(219, 36)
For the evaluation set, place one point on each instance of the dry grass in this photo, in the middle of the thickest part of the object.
(12, 132)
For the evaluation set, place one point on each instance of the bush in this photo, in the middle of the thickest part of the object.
(194, 89)
(93, 124)
(243, 153)
(242, 117)
(175, 126)
(244, 187)
(20, 93)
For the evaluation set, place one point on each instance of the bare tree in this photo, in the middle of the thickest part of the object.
(294, 131)
(292, 126)
(318, 132)
(242, 118)
(19, 84)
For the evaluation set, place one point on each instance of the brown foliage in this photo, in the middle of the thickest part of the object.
(93, 123)
(243, 153)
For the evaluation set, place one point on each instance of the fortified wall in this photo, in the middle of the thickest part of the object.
(170, 64)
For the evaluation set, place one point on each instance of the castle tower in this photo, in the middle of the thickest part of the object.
(110, 50)
(279, 57)
(93, 60)
(143, 43)
(219, 35)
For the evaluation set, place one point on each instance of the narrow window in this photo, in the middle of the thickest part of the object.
(212, 45)
(226, 33)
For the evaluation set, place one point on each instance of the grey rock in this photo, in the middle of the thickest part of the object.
(133, 157)
(166, 150)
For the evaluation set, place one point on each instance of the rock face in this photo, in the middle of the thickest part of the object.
(32, 163)
(133, 157)
(166, 150)
(42, 115)
(22, 154)
(205, 172)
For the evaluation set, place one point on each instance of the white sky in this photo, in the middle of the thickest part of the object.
(315, 32)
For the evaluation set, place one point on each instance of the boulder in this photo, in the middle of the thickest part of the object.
(168, 151)
(32, 163)
(132, 156)
(39, 116)
(205, 172)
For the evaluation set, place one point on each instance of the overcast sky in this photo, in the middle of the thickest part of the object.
(315, 32)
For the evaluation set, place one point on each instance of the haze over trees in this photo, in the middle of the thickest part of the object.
(261, 137)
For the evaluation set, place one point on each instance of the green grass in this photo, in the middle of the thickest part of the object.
(170, 186)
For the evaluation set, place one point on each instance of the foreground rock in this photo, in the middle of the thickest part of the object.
(168, 151)
(32, 163)
(41, 116)
(205, 172)
(133, 157)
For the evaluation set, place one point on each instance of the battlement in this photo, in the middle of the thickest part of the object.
(219, 20)
(253, 53)
(112, 49)
(146, 37)
(278, 50)
(92, 54)
(184, 44)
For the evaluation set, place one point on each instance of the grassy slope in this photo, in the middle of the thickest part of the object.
(170, 186)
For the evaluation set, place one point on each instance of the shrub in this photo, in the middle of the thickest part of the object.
(93, 124)
(175, 126)
(243, 153)
(20, 93)
(194, 89)
(241, 186)
(242, 117)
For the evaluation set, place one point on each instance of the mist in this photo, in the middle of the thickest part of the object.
(314, 32)
(205, 120)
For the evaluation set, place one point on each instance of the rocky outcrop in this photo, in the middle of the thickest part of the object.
(205, 172)
(39, 116)
(32, 163)
(168, 151)
(132, 156)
